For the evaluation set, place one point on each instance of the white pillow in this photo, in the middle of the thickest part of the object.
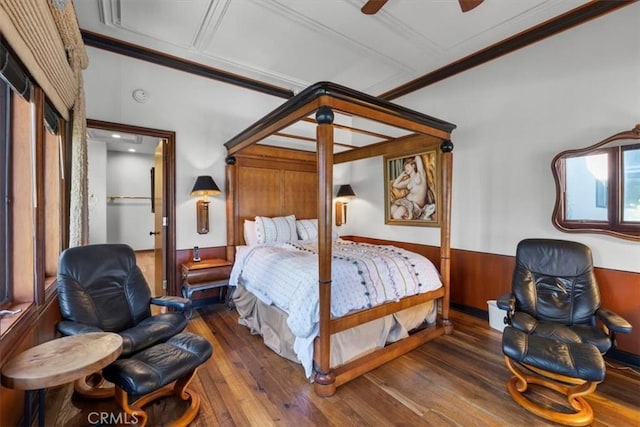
(276, 229)
(250, 235)
(308, 230)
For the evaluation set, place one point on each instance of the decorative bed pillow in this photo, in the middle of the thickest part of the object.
(308, 230)
(250, 235)
(276, 229)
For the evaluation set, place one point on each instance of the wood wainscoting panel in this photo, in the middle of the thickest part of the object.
(477, 277)
(620, 292)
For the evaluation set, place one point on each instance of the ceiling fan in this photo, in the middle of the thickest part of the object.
(373, 6)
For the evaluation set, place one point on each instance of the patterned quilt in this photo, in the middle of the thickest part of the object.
(363, 275)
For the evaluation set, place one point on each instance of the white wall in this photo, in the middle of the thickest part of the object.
(129, 221)
(97, 177)
(513, 115)
(203, 113)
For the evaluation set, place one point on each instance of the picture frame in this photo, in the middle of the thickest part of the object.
(412, 188)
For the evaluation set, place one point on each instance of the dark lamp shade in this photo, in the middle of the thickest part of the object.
(205, 186)
(345, 191)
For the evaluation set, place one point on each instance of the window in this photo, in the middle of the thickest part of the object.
(52, 197)
(21, 184)
(4, 194)
(598, 188)
(631, 184)
(31, 192)
(586, 180)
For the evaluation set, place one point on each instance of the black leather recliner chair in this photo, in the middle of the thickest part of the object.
(556, 327)
(101, 289)
(555, 294)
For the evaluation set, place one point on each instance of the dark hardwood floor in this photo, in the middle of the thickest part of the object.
(456, 380)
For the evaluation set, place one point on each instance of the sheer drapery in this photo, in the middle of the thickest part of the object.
(46, 37)
(65, 18)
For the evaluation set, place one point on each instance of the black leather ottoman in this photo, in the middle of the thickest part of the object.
(573, 369)
(149, 374)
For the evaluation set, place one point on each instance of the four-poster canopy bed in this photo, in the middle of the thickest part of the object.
(266, 180)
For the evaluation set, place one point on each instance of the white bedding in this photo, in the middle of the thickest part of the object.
(286, 274)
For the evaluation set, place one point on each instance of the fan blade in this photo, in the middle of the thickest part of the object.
(372, 7)
(467, 5)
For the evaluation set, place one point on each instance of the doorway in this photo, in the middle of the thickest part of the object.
(137, 165)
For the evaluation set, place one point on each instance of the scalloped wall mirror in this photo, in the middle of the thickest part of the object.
(598, 187)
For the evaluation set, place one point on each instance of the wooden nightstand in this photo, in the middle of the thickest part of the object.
(203, 276)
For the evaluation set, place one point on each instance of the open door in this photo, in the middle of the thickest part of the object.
(158, 252)
(159, 232)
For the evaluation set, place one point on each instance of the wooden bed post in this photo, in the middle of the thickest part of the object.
(324, 380)
(445, 231)
(231, 208)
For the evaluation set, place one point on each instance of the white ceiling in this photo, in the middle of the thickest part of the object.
(295, 43)
(120, 141)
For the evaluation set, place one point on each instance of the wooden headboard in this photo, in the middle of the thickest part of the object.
(268, 181)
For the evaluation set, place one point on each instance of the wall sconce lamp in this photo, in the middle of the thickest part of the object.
(205, 186)
(345, 192)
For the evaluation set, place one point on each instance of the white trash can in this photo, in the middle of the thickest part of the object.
(496, 316)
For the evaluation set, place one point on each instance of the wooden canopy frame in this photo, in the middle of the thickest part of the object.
(323, 99)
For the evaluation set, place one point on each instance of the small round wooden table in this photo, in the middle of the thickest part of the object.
(59, 361)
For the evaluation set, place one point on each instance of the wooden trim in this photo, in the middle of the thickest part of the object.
(309, 139)
(360, 366)
(363, 316)
(169, 189)
(573, 18)
(342, 99)
(353, 129)
(155, 57)
(570, 19)
(260, 151)
(39, 188)
(391, 115)
(264, 127)
(409, 143)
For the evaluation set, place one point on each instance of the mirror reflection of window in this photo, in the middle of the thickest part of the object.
(598, 187)
(586, 183)
(631, 185)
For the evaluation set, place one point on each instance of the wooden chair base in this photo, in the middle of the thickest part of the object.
(90, 387)
(138, 416)
(573, 388)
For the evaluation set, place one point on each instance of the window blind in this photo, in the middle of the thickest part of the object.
(45, 39)
(12, 72)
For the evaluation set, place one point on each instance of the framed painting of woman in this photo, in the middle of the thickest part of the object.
(411, 185)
